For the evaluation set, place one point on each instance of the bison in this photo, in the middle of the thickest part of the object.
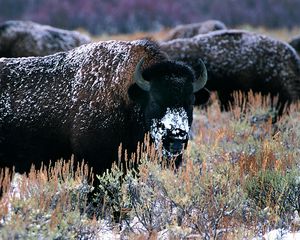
(238, 60)
(193, 29)
(26, 38)
(90, 99)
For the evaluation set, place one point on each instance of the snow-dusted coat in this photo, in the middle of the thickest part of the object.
(193, 29)
(78, 102)
(241, 60)
(26, 38)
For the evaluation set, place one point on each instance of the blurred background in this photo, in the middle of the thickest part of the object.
(128, 16)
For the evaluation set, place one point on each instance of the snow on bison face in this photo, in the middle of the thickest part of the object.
(171, 130)
(165, 92)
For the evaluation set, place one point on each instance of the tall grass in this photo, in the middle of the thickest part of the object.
(239, 178)
(45, 203)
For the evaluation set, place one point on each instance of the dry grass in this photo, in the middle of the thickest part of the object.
(123, 37)
(283, 34)
(239, 178)
(45, 203)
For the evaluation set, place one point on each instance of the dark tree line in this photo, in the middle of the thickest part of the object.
(124, 16)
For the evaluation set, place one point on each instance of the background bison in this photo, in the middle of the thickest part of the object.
(78, 102)
(25, 38)
(240, 60)
(193, 29)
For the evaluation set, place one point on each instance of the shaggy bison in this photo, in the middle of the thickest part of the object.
(89, 100)
(193, 29)
(240, 60)
(25, 38)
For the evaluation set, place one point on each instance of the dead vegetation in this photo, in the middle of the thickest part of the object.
(46, 203)
(283, 34)
(239, 179)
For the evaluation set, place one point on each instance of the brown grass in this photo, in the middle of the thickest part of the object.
(283, 34)
(237, 179)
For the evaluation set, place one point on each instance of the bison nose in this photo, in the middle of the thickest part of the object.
(176, 146)
(175, 141)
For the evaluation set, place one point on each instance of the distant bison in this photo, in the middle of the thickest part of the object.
(193, 29)
(89, 100)
(295, 43)
(240, 60)
(25, 38)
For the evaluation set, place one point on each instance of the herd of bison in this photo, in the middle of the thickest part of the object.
(62, 93)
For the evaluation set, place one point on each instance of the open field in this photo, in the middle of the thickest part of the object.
(239, 180)
(283, 34)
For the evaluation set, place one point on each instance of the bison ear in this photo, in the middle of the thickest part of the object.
(202, 97)
(136, 94)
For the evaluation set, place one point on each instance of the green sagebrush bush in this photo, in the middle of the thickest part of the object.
(153, 197)
(239, 178)
(218, 191)
(48, 203)
(275, 189)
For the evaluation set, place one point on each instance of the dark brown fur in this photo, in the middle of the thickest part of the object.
(193, 29)
(77, 102)
(240, 60)
(25, 38)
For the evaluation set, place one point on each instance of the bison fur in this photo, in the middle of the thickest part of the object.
(193, 29)
(90, 99)
(26, 38)
(238, 60)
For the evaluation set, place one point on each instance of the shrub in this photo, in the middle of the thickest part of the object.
(239, 178)
(46, 203)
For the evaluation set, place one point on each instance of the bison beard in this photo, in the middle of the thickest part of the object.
(89, 100)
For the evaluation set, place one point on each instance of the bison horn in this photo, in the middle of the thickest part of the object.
(138, 77)
(202, 79)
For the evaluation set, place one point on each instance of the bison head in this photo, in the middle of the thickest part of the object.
(165, 92)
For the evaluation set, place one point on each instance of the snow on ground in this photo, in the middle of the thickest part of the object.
(280, 234)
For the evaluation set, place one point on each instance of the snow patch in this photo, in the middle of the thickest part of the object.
(280, 234)
(175, 121)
